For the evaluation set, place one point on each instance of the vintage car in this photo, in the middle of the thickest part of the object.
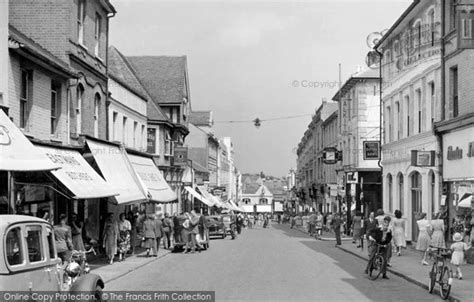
(216, 226)
(29, 262)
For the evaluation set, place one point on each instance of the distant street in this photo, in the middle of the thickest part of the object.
(275, 264)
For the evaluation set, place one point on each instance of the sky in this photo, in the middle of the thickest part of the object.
(257, 59)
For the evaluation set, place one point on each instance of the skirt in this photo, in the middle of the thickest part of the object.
(437, 239)
(124, 242)
(149, 243)
(423, 242)
(77, 243)
(399, 239)
(457, 258)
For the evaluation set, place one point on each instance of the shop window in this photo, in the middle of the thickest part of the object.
(14, 247)
(34, 244)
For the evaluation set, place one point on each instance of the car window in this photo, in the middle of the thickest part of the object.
(51, 243)
(14, 248)
(34, 244)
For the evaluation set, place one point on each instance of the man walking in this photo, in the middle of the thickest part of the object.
(369, 225)
(158, 232)
(336, 225)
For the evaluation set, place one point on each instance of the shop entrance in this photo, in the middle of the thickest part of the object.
(416, 207)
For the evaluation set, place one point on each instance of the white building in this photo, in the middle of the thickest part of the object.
(127, 111)
(411, 71)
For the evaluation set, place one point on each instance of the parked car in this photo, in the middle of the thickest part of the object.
(29, 261)
(216, 226)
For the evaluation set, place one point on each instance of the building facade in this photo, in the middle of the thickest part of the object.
(411, 71)
(330, 140)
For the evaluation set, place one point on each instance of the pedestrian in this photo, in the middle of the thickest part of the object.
(159, 232)
(204, 229)
(383, 236)
(124, 228)
(110, 235)
(63, 238)
(437, 237)
(380, 218)
(312, 223)
(279, 218)
(336, 225)
(192, 229)
(329, 221)
(149, 233)
(424, 239)
(133, 233)
(357, 228)
(399, 239)
(167, 227)
(459, 248)
(319, 225)
(239, 223)
(177, 229)
(369, 225)
(76, 229)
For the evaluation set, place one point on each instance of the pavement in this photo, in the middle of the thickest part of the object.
(408, 266)
(272, 264)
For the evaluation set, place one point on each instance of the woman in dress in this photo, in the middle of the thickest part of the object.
(150, 235)
(458, 248)
(399, 239)
(124, 227)
(76, 229)
(424, 239)
(437, 238)
(357, 228)
(110, 236)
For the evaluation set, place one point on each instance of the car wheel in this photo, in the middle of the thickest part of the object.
(98, 293)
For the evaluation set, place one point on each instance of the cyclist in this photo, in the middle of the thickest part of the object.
(381, 235)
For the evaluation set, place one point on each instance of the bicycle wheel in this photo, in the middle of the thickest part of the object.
(432, 282)
(445, 286)
(376, 267)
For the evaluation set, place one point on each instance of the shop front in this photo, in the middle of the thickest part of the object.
(458, 172)
(199, 202)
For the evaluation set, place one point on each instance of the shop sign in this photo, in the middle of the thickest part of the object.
(352, 177)
(151, 141)
(422, 158)
(371, 150)
(458, 154)
(180, 156)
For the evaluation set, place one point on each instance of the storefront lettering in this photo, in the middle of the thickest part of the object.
(148, 177)
(79, 176)
(63, 159)
(454, 154)
(470, 152)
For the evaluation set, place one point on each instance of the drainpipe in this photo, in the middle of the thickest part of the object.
(380, 122)
(443, 64)
(107, 96)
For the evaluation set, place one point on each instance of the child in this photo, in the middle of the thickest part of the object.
(458, 248)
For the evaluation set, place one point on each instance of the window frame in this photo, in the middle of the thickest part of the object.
(25, 97)
(79, 100)
(81, 15)
(97, 34)
(168, 145)
(97, 100)
(54, 108)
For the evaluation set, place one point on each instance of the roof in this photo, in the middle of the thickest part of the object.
(367, 74)
(121, 71)
(163, 77)
(31, 47)
(275, 186)
(9, 219)
(199, 168)
(201, 118)
(250, 188)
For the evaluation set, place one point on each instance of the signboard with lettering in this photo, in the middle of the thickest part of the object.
(371, 150)
(458, 154)
(151, 141)
(422, 158)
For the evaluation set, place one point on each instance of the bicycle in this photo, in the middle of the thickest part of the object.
(440, 273)
(377, 262)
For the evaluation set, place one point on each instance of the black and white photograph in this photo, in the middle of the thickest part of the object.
(236, 150)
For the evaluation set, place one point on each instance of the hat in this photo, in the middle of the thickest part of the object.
(457, 237)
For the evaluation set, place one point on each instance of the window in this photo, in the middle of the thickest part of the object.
(420, 108)
(401, 192)
(14, 247)
(124, 132)
(246, 200)
(433, 192)
(81, 13)
(54, 107)
(452, 13)
(407, 106)
(454, 90)
(263, 201)
(96, 114)
(79, 96)
(114, 125)
(431, 86)
(135, 127)
(173, 114)
(398, 120)
(416, 192)
(168, 145)
(98, 26)
(34, 244)
(24, 97)
(431, 20)
(390, 193)
(466, 25)
(389, 124)
(142, 137)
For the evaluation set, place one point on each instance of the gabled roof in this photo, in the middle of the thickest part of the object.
(163, 77)
(250, 188)
(121, 71)
(201, 118)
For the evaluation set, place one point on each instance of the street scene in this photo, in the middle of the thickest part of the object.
(238, 150)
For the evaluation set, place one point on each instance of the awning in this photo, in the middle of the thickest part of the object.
(198, 196)
(234, 206)
(248, 208)
(17, 153)
(466, 201)
(76, 174)
(117, 171)
(207, 195)
(154, 182)
(264, 208)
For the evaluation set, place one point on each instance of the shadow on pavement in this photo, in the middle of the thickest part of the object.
(289, 232)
